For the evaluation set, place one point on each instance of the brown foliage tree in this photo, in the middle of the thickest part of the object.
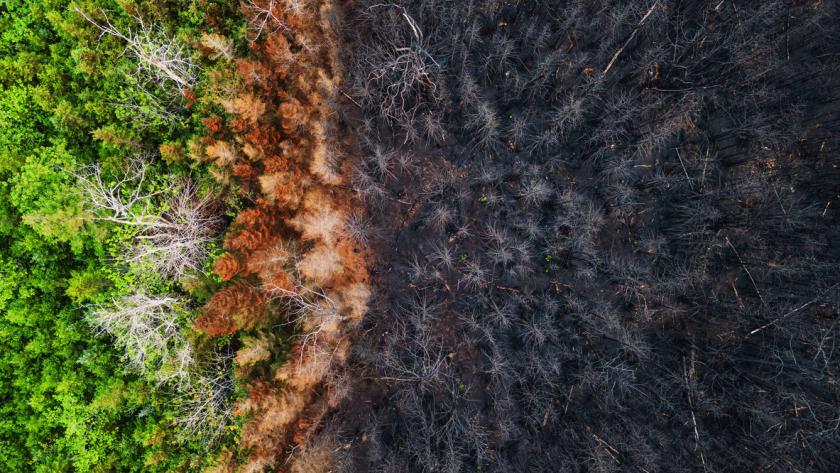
(264, 137)
(258, 229)
(275, 164)
(280, 117)
(235, 307)
(250, 239)
(295, 117)
(227, 266)
(252, 72)
(215, 323)
(246, 172)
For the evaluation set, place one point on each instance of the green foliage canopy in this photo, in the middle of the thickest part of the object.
(67, 100)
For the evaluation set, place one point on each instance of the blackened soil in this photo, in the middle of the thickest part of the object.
(586, 271)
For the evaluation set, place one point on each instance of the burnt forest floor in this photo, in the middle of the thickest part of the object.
(605, 236)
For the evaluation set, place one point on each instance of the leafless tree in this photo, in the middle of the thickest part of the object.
(263, 15)
(474, 276)
(358, 227)
(310, 308)
(147, 327)
(173, 241)
(439, 216)
(177, 242)
(483, 121)
(160, 57)
(205, 405)
(117, 201)
(535, 192)
(222, 45)
(425, 366)
(442, 255)
(405, 74)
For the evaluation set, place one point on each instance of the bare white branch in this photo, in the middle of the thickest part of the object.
(159, 57)
(148, 328)
(312, 309)
(405, 75)
(176, 242)
(263, 17)
(172, 242)
(205, 406)
(222, 45)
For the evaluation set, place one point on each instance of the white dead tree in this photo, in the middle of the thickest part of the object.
(205, 407)
(148, 328)
(177, 241)
(118, 201)
(160, 58)
(263, 16)
(222, 46)
(309, 308)
(173, 229)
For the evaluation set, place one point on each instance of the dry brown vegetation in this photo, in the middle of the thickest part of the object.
(289, 261)
(597, 242)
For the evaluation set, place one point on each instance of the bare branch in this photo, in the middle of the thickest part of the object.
(148, 328)
(263, 16)
(159, 57)
(222, 45)
(205, 406)
(632, 35)
(792, 312)
(405, 75)
(177, 241)
(172, 242)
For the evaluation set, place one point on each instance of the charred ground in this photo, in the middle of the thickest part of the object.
(606, 236)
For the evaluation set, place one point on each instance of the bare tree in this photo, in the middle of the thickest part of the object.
(405, 74)
(177, 241)
(483, 121)
(174, 241)
(263, 15)
(147, 327)
(160, 57)
(205, 405)
(312, 309)
(222, 46)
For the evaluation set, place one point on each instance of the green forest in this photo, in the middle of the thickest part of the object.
(76, 104)
(421, 236)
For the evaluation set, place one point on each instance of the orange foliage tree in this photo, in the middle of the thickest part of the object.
(235, 307)
(290, 244)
